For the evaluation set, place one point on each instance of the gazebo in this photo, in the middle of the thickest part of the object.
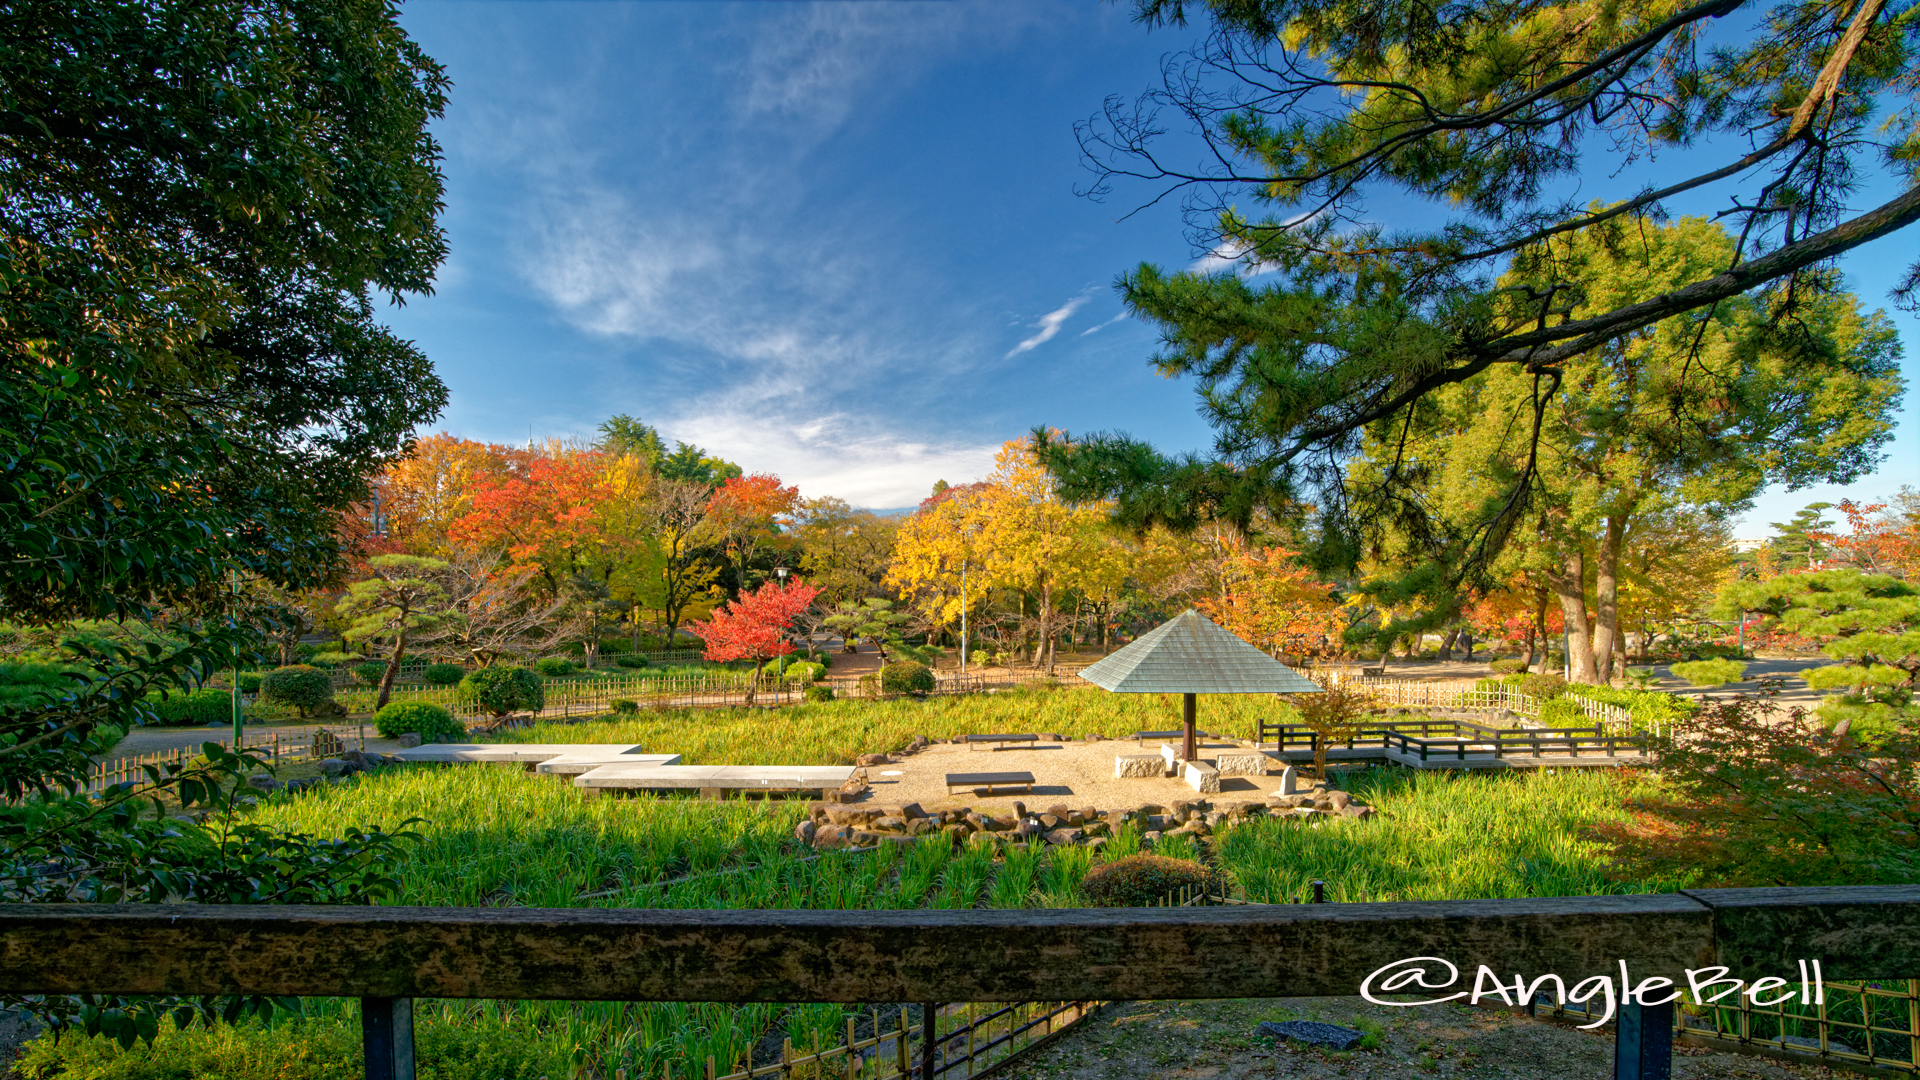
(1190, 654)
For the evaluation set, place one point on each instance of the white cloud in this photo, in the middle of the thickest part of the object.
(834, 454)
(1049, 325)
(1096, 329)
(815, 62)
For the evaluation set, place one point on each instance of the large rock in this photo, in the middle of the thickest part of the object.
(912, 810)
(804, 831)
(1355, 810)
(1241, 763)
(889, 824)
(262, 782)
(921, 826)
(873, 759)
(1339, 799)
(408, 740)
(1064, 837)
(1136, 766)
(334, 766)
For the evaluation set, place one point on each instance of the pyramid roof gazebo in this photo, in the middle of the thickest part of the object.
(1190, 654)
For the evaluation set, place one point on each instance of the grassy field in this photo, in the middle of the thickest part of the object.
(498, 836)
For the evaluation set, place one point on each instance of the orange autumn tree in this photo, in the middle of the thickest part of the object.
(430, 489)
(1271, 601)
(545, 518)
(752, 513)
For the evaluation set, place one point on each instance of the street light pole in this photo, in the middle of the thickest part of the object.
(239, 719)
(963, 618)
(780, 666)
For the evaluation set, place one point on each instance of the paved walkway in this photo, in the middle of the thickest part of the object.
(1079, 774)
(151, 740)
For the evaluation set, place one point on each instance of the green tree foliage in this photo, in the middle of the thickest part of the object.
(1484, 113)
(1795, 545)
(199, 707)
(1710, 672)
(444, 674)
(907, 677)
(203, 202)
(501, 690)
(298, 686)
(400, 602)
(1750, 799)
(874, 619)
(1870, 622)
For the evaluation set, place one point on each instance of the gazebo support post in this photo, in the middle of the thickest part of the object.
(1189, 711)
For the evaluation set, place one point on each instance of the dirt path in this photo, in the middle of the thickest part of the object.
(1160, 1040)
(152, 740)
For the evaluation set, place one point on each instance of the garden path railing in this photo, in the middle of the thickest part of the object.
(387, 956)
(1470, 694)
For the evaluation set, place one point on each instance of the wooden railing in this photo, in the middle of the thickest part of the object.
(1459, 740)
(275, 746)
(388, 956)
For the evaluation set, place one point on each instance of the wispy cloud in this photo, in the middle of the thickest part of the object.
(1122, 317)
(815, 62)
(1048, 326)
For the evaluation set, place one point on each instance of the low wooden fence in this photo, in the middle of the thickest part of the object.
(278, 746)
(1459, 740)
(387, 956)
(1471, 694)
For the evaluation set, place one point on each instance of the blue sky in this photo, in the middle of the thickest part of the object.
(839, 242)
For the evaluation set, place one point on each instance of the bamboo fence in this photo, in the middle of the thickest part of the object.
(276, 746)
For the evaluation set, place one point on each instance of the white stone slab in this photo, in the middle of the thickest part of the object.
(587, 758)
(1126, 765)
(1202, 777)
(528, 753)
(749, 777)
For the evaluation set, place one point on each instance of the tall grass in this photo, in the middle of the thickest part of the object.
(1442, 836)
(838, 732)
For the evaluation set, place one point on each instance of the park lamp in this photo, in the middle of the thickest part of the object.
(780, 671)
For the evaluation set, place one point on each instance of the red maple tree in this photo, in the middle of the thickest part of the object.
(755, 626)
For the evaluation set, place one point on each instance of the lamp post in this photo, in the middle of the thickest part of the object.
(963, 618)
(780, 669)
(239, 719)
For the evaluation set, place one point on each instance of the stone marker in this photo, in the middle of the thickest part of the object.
(1289, 781)
(1312, 1032)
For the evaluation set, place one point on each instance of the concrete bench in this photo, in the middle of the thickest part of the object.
(1137, 765)
(1000, 739)
(1169, 759)
(1178, 734)
(1241, 763)
(985, 782)
(714, 780)
(1203, 777)
(532, 755)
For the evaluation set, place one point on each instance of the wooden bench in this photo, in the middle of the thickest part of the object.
(1178, 734)
(1002, 739)
(989, 780)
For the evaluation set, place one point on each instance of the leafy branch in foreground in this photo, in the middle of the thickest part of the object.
(1479, 116)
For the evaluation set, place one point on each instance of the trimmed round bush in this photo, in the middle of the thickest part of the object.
(553, 666)
(794, 670)
(444, 674)
(199, 707)
(1512, 665)
(300, 686)
(906, 677)
(250, 682)
(629, 660)
(1143, 881)
(370, 673)
(425, 719)
(819, 693)
(623, 706)
(1544, 687)
(501, 690)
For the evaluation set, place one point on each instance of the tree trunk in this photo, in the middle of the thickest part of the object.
(1606, 600)
(1532, 635)
(1540, 627)
(1446, 644)
(393, 670)
(1568, 585)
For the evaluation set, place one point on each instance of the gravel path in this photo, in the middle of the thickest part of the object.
(1197, 1040)
(1079, 774)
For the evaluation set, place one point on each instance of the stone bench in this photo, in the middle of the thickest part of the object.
(1241, 763)
(1203, 777)
(713, 781)
(1138, 765)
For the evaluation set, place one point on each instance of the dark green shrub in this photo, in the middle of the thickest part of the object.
(444, 674)
(553, 667)
(370, 673)
(623, 706)
(1143, 881)
(1544, 687)
(501, 690)
(422, 718)
(1512, 665)
(1716, 672)
(629, 660)
(301, 686)
(819, 693)
(794, 670)
(906, 677)
(250, 682)
(199, 707)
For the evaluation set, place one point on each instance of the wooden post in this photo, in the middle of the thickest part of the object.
(1189, 709)
(386, 1035)
(928, 1037)
(1643, 1042)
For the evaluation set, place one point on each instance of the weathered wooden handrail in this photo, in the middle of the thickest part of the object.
(891, 956)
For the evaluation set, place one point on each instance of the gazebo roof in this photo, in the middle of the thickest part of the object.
(1190, 654)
